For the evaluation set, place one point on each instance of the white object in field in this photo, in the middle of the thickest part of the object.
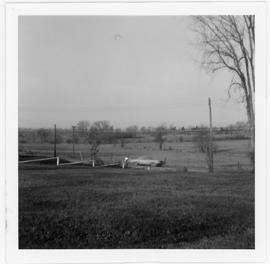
(93, 163)
(57, 161)
(124, 162)
(36, 160)
(147, 162)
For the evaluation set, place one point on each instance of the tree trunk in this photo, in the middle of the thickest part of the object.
(252, 135)
(251, 123)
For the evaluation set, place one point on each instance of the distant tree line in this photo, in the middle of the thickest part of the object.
(102, 132)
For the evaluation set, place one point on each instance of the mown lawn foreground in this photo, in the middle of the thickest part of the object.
(86, 208)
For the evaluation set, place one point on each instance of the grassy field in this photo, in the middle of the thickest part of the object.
(83, 208)
(178, 154)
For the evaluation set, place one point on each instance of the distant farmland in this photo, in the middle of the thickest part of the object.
(230, 154)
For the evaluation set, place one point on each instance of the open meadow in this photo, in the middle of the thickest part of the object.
(133, 208)
(81, 207)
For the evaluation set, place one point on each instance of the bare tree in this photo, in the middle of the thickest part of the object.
(99, 133)
(94, 141)
(205, 145)
(102, 126)
(228, 42)
(82, 128)
(160, 136)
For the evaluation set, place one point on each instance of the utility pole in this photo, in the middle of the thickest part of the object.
(73, 139)
(211, 161)
(54, 140)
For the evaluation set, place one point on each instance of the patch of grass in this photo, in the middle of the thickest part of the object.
(113, 208)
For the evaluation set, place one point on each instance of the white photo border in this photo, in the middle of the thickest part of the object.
(13, 11)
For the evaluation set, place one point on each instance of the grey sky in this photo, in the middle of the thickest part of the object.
(127, 70)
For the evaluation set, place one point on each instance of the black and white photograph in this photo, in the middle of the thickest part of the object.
(135, 131)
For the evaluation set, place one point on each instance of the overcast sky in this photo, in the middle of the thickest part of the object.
(127, 70)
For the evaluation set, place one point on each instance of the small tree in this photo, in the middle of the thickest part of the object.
(160, 136)
(94, 141)
(94, 149)
(204, 144)
(100, 132)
